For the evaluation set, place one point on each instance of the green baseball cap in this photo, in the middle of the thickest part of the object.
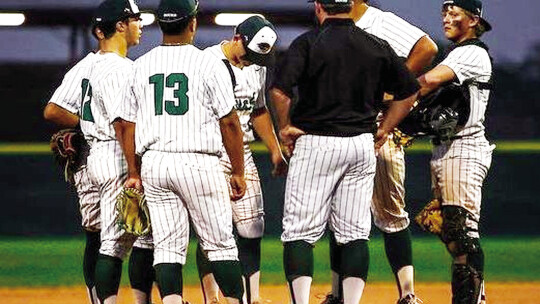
(258, 37)
(473, 6)
(176, 10)
(115, 10)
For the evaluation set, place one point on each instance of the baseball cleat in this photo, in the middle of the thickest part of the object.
(410, 299)
(331, 299)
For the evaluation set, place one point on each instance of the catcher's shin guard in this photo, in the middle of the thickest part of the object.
(467, 284)
(455, 232)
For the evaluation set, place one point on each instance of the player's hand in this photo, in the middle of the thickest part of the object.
(238, 187)
(289, 135)
(280, 164)
(134, 182)
(380, 139)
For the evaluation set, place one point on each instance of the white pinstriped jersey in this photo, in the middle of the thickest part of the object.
(102, 94)
(69, 94)
(249, 91)
(176, 96)
(400, 34)
(472, 62)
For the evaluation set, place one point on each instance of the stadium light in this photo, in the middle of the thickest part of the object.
(147, 18)
(230, 19)
(11, 19)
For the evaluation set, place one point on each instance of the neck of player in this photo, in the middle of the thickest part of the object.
(115, 44)
(228, 50)
(358, 10)
(181, 39)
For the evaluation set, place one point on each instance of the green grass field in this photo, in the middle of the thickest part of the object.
(57, 261)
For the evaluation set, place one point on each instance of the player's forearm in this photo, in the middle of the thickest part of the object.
(435, 78)
(233, 141)
(421, 56)
(397, 111)
(125, 134)
(262, 123)
(60, 116)
(282, 105)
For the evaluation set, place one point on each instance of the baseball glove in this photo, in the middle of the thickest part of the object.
(133, 215)
(67, 146)
(402, 139)
(430, 218)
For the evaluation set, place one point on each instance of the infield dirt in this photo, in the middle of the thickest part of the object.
(375, 293)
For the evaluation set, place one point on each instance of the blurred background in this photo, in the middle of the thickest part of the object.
(41, 39)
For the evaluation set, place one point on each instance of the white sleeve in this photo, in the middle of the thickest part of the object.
(261, 98)
(114, 88)
(220, 88)
(69, 94)
(400, 34)
(469, 62)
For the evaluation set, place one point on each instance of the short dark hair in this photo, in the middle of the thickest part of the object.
(334, 9)
(175, 28)
(107, 28)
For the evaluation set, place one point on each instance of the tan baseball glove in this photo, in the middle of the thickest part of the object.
(133, 215)
(430, 218)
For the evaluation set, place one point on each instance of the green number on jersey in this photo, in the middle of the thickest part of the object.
(178, 107)
(86, 101)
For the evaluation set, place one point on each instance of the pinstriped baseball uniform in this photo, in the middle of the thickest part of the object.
(176, 96)
(69, 96)
(389, 191)
(106, 162)
(248, 212)
(459, 168)
(346, 163)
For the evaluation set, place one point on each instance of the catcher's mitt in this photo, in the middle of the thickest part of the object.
(402, 139)
(430, 218)
(68, 147)
(133, 215)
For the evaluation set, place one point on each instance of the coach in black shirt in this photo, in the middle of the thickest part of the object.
(341, 73)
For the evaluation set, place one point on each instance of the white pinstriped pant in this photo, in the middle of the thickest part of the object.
(179, 186)
(330, 180)
(388, 205)
(88, 194)
(108, 169)
(247, 212)
(458, 170)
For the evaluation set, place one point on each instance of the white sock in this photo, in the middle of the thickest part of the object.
(110, 300)
(254, 286)
(141, 297)
(405, 276)
(335, 284)
(92, 295)
(352, 290)
(211, 288)
(172, 299)
(301, 286)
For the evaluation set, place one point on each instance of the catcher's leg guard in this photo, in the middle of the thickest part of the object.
(467, 270)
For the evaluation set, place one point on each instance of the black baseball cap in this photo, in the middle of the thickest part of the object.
(176, 10)
(472, 6)
(258, 37)
(115, 10)
(345, 2)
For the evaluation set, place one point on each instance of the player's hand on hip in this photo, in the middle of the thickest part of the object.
(238, 187)
(289, 135)
(380, 138)
(134, 182)
(280, 164)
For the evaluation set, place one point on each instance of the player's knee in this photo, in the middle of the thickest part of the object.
(355, 259)
(169, 279)
(251, 229)
(457, 230)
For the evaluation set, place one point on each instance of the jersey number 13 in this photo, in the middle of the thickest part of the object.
(177, 81)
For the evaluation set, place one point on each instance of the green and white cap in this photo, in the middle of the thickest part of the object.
(115, 10)
(258, 37)
(176, 10)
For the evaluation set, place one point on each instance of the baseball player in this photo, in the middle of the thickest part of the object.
(117, 26)
(177, 115)
(63, 109)
(341, 73)
(388, 205)
(459, 166)
(245, 55)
